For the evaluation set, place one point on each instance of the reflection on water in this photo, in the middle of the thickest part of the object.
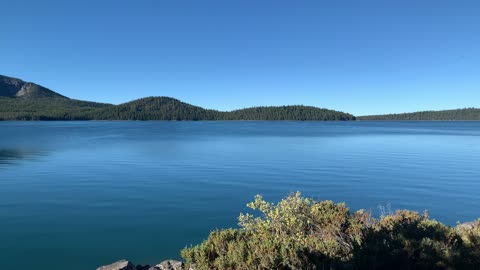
(96, 192)
(11, 156)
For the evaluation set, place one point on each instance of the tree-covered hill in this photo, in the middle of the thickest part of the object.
(47, 108)
(152, 108)
(20, 100)
(299, 112)
(166, 108)
(468, 114)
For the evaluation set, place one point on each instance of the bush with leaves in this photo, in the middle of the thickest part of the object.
(300, 233)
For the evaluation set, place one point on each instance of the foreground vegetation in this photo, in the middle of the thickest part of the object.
(300, 233)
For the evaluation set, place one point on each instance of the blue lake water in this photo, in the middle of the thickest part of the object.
(76, 195)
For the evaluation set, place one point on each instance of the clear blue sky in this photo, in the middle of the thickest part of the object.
(363, 57)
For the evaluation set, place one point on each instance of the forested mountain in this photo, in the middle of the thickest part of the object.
(165, 108)
(469, 114)
(21, 100)
(153, 108)
(12, 87)
(47, 108)
(287, 113)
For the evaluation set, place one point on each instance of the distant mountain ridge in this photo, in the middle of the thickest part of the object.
(166, 108)
(467, 114)
(154, 108)
(20, 100)
(13, 87)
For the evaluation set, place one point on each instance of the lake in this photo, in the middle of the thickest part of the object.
(77, 195)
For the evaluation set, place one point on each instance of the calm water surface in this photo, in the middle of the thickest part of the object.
(76, 195)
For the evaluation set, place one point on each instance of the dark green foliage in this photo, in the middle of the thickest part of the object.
(151, 108)
(47, 109)
(21, 100)
(408, 240)
(299, 113)
(468, 114)
(300, 233)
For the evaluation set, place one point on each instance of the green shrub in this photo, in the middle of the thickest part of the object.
(300, 233)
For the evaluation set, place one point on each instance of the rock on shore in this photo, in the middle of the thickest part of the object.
(120, 265)
(126, 265)
(168, 265)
